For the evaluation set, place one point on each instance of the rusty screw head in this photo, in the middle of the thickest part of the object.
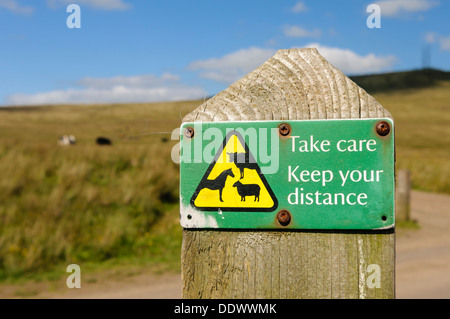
(284, 129)
(189, 132)
(284, 217)
(383, 128)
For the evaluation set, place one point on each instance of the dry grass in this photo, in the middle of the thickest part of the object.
(422, 120)
(70, 204)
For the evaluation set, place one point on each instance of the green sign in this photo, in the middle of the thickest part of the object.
(319, 174)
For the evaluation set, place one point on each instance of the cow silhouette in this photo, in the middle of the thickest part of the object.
(245, 190)
(242, 161)
(218, 183)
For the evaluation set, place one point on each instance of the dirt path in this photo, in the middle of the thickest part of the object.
(105, 286)
(423, 256)
(423, 265)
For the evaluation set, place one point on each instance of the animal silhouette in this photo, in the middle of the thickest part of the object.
(219, 182)
(247, 190)
(242, 161)
(103, 141)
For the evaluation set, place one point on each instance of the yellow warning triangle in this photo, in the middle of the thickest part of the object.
(233, 181)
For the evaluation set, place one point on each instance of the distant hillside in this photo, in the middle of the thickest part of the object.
(400, 80)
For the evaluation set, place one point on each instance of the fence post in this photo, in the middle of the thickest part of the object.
(403, 195)
(296, 84)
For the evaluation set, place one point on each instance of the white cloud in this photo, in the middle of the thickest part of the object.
(120, 89)
(233, 66)
(393, 8)
(109, 5)
(350, 62)
(15, 7)
(138, 81)
(431, 37)
(445, 43)
(299, 7)
(294, 31)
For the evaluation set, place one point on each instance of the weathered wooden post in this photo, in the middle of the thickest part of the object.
(303, 250)
(402, 201)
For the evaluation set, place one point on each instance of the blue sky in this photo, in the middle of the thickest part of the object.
(144, 51)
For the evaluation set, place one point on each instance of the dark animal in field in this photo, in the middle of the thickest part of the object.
(103, 141)
(242, 161)
(247, 190)
(218, 183)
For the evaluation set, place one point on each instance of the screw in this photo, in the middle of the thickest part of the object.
(383, 128)
(189, 132)
(284, 129)
(284, 217)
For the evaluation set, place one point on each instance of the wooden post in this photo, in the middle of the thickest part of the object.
(296, 84)
(402, 201)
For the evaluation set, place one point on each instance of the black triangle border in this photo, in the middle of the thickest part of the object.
(261, 175)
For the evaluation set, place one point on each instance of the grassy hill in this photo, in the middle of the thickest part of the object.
(388, 82)
(104, 206)
(422, 120)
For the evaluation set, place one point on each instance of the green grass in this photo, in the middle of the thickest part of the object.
(388, 82)
(117, 207)
(407, 225)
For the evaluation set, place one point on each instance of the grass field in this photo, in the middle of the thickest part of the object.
(104, 206)
(87, 203)
(422, 120)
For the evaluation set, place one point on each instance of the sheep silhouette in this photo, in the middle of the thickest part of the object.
(218, 183)
(242, 161)
(245, 190)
